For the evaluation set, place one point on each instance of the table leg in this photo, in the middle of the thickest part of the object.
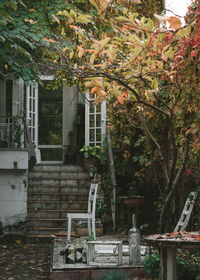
(168, 263)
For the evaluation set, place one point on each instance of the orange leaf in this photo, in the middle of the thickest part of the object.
(98, 65)
(174, 22)
(49, 40)
(56, 19)
(125, 95)
(188, 131)
(120, 99)
(80, 52)
(30, 21)
(94, 89)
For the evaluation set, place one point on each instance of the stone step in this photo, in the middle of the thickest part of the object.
(67, 197)
(46, 223)
(56, 205)
(83, 189)
(53, 214)
(53, 175)
(59, 168)
(46, 231)
(58, 182)
(54, 191)
(39, 239)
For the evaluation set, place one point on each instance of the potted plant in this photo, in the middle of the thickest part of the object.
(91, 156)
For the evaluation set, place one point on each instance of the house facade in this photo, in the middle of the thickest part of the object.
(41, 124)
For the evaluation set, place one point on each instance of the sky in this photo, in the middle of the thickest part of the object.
(179, 7)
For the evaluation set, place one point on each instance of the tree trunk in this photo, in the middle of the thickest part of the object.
(172, 189)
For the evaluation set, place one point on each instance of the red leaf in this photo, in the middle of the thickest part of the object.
(193, 53)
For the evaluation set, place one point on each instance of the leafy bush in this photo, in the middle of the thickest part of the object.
(152, 265)
(185, 271)
(113, 275)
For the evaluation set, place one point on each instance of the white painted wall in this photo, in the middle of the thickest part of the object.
(13, 159)
(13, 196)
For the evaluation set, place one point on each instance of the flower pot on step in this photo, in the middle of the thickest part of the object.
(90, 163)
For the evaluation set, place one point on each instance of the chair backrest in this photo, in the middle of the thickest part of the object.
(92, 198)
(187, 210)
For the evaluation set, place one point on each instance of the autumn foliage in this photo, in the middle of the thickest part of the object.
(147, 67)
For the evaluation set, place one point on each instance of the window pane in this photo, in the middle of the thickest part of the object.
(92, 139)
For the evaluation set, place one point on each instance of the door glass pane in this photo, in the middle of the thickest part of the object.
(98, 107)
(98, 120)
(50, 121)
(50, 116)
(91, 135)
(51, 154)
(92, 121)
(9, 90)
(98, 135)
(91, 108)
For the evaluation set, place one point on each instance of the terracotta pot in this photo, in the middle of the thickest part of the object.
(134, 202)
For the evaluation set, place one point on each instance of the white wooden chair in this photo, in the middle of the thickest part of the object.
(187, 210)
(90, 215)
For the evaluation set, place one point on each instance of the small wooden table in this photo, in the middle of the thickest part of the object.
(168, 243)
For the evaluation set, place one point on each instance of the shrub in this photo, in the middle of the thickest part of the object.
(185, 271)
(152, 265)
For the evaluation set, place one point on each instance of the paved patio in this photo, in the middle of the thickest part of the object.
(21, 261)
(24, 261)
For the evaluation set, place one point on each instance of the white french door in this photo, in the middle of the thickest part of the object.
(32, 115)
(95, 122)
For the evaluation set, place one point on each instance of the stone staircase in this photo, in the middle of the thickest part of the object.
(54, 191)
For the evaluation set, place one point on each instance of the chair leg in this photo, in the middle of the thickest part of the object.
(93, 228)
(69, 228)
(89, 226)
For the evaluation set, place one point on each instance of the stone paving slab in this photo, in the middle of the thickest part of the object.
(24, 261)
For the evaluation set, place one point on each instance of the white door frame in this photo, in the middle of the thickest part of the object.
(32, 116)
(50, 78)
(93, 113)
